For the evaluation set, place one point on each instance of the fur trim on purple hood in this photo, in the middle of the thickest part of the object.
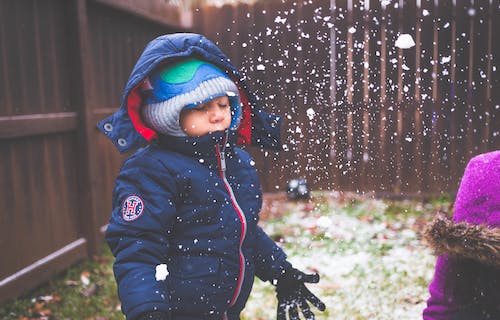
(465, 240)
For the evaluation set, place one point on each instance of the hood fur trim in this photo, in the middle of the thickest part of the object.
(465, 240)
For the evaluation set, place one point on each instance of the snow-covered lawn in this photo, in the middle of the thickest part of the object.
(367, 251)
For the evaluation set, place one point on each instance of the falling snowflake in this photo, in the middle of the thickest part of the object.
(405, 41)
(161, 272)
(280, 20)
(445, 59)
(310, 113)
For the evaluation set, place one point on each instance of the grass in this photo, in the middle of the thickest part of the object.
(367, 251)
(85, 291)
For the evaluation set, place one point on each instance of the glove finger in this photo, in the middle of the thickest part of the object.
(281, 311)
(311, 278)
(293, 312)
(306, 311)
(313, 299)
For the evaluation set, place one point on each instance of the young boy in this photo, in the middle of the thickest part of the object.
(184, 225)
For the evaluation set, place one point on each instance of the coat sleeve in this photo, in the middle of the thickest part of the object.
(440, 305)
(270, 260)
(138, 234)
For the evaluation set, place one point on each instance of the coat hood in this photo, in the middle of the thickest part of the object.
(474, 231)
(126, 129)
(462, 239)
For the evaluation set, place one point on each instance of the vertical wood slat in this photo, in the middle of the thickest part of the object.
(273, 97)
(333, 168)
(5, 81)
(86, 133)
(444, 83)
(383, 146)
(407, 105)
(367, 110)
(340, 143)
(489, 81)
(494, 137)
(397, 138)
(435, 108)
(311, 99)
(453, 118)
(390, 105)
(480, 77)
(371, 153)
(349, 99)
(461, 84)
(417, 165)
(357, 110)
(320, 38)
(258, 77)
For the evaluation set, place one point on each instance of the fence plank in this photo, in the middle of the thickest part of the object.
(371, 153)
(494, 137)
(339, 129)
(36, 124)
(87, 161)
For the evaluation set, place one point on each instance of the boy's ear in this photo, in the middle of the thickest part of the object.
(134, 104)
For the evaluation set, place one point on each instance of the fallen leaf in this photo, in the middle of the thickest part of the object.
(72, 283)
(39, 306)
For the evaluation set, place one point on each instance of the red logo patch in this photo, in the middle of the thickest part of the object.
(132, 208)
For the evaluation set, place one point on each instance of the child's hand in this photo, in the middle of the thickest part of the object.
(292, 294)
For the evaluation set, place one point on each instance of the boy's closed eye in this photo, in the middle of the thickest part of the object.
(204, 106)
(201, 107)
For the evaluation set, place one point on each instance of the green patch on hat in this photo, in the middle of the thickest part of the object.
(181, 72)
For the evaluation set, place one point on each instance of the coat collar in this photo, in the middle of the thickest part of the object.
(203, 146)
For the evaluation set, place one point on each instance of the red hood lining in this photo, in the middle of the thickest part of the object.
(134, 103)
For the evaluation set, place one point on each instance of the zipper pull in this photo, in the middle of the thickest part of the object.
(223, 160)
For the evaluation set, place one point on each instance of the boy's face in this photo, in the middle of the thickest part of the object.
(214, 115)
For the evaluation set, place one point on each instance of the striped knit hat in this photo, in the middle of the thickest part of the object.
(184, 84)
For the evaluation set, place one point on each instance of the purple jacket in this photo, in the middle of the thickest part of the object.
(473, 234)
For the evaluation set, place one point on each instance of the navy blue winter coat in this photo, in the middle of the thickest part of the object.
(190, 203)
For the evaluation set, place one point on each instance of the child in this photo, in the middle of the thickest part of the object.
(467, 277)
(184, 225)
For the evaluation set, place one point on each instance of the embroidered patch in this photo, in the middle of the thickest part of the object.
(132, 208)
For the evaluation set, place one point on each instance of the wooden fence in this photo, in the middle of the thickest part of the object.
(63, 65)
(363, 114)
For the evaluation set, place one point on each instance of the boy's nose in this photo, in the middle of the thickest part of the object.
(216, 114)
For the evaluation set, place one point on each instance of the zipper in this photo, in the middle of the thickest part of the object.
(222, 165)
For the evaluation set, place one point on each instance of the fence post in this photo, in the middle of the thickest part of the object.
(84, 100)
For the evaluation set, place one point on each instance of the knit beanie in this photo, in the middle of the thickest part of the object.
(184, 84)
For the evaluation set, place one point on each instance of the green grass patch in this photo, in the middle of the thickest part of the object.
(85, 291)
(367, 251)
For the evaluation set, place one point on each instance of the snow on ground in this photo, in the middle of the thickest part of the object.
(372, 264)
